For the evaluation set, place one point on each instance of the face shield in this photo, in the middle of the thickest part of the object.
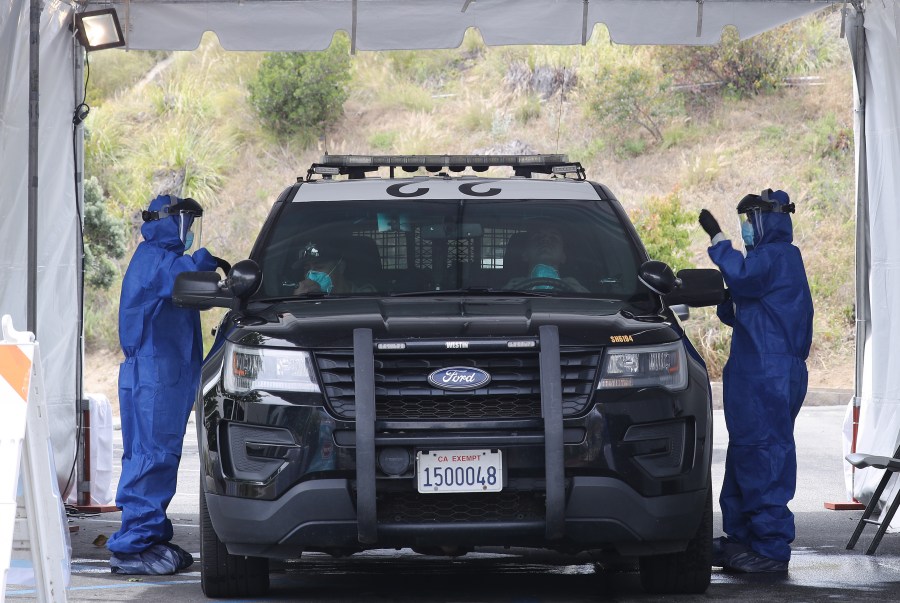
(188, 215)
(751, 227)
(190, 229)
(750, 215)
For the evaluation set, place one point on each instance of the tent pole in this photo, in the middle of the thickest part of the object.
(82, 407)
(34, 53)
(863, 254)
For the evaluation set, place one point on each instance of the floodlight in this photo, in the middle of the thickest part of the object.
(99, 29)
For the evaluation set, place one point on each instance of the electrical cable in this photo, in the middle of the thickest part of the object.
(81, 111)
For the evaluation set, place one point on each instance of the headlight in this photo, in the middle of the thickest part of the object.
(649, 366)
(248, 369)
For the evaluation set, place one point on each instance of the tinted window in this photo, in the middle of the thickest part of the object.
(405, 246)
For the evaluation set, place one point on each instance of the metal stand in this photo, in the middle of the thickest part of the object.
(890, 466)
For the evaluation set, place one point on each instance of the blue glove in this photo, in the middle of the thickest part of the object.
(204, 260)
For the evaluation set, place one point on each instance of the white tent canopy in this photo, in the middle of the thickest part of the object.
(408, 24)
(40, 173)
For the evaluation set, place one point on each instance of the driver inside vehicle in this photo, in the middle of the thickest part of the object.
(544, 255)
(324, 267)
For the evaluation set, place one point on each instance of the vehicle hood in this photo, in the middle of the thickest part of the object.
(329, 323)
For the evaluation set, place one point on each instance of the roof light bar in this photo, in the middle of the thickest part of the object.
(452, 161)
(356, 166)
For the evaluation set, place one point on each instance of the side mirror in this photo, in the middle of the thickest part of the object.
(699, 287)
(200, 290)
(244, 279)
(205, 290)
(658, 277)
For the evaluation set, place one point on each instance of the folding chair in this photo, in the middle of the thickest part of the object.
(891, 466)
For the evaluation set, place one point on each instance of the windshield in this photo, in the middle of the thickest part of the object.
(574, 248)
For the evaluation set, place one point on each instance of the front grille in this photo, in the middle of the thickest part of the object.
(413, 507)
(402, 391)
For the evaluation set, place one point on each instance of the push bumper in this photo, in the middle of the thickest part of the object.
(600, 512)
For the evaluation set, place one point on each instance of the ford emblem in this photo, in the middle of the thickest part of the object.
(459, 378)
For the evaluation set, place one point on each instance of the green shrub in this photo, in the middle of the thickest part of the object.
(665, 227)
(383, 141)
(631, 96)
(295, 91)
(528, 109)
(758, 64)
(104, 237)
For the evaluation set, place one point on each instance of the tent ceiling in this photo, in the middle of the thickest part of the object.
(296, 25)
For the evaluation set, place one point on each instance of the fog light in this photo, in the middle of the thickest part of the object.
(394, 461)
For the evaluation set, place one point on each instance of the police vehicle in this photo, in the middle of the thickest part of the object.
(420, 353)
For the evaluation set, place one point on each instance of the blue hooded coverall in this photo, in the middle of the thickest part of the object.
(764, 382)
(158, 380)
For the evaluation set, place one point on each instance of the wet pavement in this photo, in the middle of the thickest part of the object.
(821, 569)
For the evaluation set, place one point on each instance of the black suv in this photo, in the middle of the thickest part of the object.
(444, 385)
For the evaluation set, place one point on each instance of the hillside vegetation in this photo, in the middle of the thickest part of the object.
(655, 124)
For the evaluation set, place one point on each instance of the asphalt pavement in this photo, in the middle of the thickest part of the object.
(821, 568)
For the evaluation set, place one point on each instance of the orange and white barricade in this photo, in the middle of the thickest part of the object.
(24, 413)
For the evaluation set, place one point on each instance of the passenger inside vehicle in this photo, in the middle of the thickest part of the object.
(539, 261)
(325, 269)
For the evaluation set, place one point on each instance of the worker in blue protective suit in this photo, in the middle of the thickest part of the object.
(764, 381)
(158, 380)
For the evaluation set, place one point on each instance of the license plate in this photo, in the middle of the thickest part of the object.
(459, 471)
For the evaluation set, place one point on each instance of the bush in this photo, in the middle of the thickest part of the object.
(742, 68)
(633, 95)
(104, 237)
(295, 91)
(665, 227)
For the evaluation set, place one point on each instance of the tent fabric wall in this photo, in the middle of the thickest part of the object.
(57, 303)
(419, 24)
(879, 417)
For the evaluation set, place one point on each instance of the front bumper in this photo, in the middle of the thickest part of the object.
(600, 513)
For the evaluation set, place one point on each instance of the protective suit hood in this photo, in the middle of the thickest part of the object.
(163, 233)
(777, 227)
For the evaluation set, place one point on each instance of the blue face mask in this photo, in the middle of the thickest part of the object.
(544, 271)
(188, 240)
(322, 279)
(747, 233)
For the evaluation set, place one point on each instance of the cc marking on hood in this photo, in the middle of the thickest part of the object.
(459, 378)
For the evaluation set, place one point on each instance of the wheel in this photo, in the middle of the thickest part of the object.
(688, 571)
(541, 282)
(223, 575)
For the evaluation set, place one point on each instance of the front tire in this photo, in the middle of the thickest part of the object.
(686, 572)
(223, 575)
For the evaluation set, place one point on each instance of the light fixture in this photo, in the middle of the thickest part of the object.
(99, 29)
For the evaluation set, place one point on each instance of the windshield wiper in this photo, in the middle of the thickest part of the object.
(641, 317)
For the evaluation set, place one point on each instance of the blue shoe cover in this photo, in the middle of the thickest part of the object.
(750, 562)
(157, 560)
(723, 548)
(186, 560)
